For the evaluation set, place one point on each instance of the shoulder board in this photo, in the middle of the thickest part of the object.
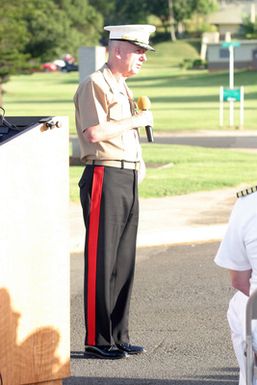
(246, 192)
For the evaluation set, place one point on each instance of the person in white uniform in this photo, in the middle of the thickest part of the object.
(238, 254)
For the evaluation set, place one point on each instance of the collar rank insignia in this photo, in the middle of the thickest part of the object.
(246, 192)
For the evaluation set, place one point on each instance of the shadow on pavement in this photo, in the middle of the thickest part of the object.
(179, 293)
(135, 381)
(208, 380)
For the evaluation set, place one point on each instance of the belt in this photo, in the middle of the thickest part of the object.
(115, 163)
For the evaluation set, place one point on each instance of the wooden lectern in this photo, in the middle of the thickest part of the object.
(34, 251)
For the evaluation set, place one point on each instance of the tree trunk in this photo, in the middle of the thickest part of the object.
(171, 21)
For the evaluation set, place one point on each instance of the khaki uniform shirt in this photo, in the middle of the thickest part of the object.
(97, 100)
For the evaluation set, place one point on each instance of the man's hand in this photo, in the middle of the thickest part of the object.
(240, 280)
(110, 129)
(143, 119)
(142, 171)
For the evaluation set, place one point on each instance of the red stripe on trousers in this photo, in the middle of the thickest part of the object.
(94, 219)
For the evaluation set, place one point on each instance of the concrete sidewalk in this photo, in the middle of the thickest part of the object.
(195, 217)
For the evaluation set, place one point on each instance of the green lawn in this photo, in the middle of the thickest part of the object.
(42, 94)
(181, 99)
(175, 170)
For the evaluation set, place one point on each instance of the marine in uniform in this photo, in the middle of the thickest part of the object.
(107, 126)
(238, 254)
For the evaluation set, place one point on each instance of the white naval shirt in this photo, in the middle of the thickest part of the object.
(238, 249)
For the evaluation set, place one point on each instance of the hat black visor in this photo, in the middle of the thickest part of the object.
(138, 43)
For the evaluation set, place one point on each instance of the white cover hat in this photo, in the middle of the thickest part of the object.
(137, 34)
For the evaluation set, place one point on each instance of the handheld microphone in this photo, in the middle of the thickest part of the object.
(144, 104)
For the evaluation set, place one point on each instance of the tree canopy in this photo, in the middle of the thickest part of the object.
(33, 31)
(57, 26)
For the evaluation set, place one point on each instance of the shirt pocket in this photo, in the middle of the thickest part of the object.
(115, 111)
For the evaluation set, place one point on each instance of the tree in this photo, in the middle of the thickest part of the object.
(85, 23)
(171, 20)
(33, 31)
(130, 12)
(160, 8)
(46, 24)
(122, 11)
(180, 10)
(13, 37)
(57, 26)
(106, 8)
(249, 28)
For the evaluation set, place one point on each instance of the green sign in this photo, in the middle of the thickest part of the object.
(231, 94)
(228, 44)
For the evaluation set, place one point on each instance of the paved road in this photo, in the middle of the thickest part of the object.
(241, 139)
(178, 311)
(231, 141)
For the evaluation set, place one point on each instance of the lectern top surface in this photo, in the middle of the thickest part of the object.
(15, 125)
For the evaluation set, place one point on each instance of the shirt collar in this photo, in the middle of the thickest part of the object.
(110, 79)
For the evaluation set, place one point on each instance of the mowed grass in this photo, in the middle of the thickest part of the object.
(41, 94)
(182, 100)
(175, 170)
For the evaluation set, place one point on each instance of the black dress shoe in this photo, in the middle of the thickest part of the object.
(104, 352)
(130, 349)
